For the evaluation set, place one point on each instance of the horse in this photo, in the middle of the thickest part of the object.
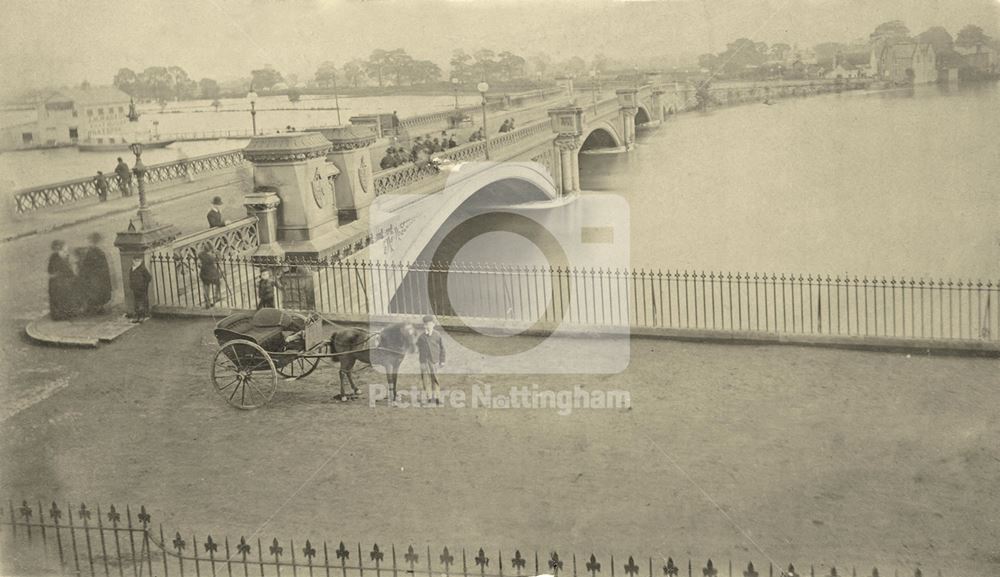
(387, 348)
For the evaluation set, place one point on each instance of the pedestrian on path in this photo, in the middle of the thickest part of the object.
(95, 277)
(124, 174)
(138, 282)
(63, 302)
(431, 349)
(210, 275)
(101, 184)
(215, 219)
(265, 290)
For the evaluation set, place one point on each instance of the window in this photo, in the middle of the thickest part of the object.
(74, 133)
(100, 140)
(111, 141)
(100, 111)
(27, 137)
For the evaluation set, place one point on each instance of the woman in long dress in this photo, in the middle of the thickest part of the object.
(95, 276)
(63, 295)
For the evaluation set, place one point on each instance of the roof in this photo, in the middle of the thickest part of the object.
(91, 95)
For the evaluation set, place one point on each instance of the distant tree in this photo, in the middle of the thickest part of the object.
(85, 85)
(708, 61)
(127, 81)
(461, 66)
(326, 74)
(575, 66)
(208, 88)
(893, 30)
(157, 83)
(354, 71)
(601, 63)
(741, 54)
(511, 65)
(182, 87)
(294, 95)
(486, 64)
(971, 35)
(265, 78)
(938, 37)
(397, 62)
(540, 63)
(216, 104)
(779, 51)
(423, 72)
(376, 64)
(292, 79)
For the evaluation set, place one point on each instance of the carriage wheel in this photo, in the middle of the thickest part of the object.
(300, 367)
(244, 374)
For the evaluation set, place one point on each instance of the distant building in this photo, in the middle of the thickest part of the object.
(70, 115)
(903, 62)
(979, 56)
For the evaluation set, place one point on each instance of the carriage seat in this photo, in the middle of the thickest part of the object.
(272, 329)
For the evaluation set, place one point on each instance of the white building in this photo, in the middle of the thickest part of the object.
(70, 115)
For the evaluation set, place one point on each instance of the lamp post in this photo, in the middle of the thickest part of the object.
(252, 97)
(593, 87)
(454, 86)
(145, 216)
(483, 87)
(336, 99)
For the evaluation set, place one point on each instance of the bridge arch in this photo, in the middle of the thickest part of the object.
(642, 116)
(483, 185)
(601, 135)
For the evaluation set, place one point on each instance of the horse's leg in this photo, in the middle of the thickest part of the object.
(346, 364)
(391, 374)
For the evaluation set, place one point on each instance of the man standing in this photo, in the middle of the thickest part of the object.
(138, 283)
(95, 277)
(101, 184)
(124, 174)
(210, 275)
(431, 349)
(265, 290)
(215, 214)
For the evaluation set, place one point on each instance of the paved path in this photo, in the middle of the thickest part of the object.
(743, 452)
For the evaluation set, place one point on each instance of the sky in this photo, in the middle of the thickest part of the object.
(60, 42)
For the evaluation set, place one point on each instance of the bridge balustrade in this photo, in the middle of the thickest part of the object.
(70, 191)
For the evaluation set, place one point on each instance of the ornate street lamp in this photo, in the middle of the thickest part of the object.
(483, 87)
(454, 85)
(145, 216)
(252, 97)
(593, 87)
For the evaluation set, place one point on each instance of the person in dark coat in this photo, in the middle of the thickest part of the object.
(215, 218)
(431, 349)
(95, 277)
(265, 290)
(124, 174)
(63, 300)
(101, 185)
(138, 282)
(210, 274)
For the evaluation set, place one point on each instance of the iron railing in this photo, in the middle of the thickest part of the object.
(119, 541)
(779, 304)
(70, 191)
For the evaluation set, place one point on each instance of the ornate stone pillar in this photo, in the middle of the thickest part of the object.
(657, 99)
(627, 101)
(294, 167)
(263, 203)
(567, 123)
(350, 152)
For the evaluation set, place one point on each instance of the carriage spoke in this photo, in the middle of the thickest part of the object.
(254, 387)
(231, 383)
(233, 394)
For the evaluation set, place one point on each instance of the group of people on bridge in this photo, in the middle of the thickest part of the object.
(122, 177)
(80, 284)
(423, 148)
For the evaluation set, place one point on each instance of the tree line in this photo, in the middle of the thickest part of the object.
(746, 58)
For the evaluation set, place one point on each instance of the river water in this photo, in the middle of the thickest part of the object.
(893, 183)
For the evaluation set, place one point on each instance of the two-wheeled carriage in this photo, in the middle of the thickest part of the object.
(256, 348)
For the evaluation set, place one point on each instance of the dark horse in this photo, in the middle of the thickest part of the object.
(387, 348)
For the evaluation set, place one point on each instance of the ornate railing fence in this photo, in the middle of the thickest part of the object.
(394, 179)
(235, 240)
(735, 303)
(70, 191)
(120, 541)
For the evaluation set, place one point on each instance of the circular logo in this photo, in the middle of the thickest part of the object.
(364, 173)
